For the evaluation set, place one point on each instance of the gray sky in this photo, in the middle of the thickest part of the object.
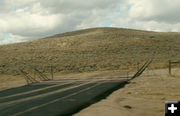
(23, 20)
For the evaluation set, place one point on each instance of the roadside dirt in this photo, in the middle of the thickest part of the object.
(143, 96)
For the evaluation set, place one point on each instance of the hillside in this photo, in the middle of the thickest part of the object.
(90, 50)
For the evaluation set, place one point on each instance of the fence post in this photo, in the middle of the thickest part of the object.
(52, 76)
(34, 74)
(127, 69)
(137, 66)
(169, 67)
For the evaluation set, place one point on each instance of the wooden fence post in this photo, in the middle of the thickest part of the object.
(127, 69)
(137, 66)
(169, 67)
(52, 76)
(34, 74)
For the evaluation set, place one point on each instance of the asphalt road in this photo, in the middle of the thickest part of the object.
(55, 99)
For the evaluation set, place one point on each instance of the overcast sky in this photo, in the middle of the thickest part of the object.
(23, 20)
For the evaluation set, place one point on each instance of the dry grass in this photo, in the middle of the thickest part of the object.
(91, 50)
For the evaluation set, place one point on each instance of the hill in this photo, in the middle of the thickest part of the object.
(90, 50)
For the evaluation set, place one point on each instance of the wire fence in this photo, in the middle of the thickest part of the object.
(37, 74)
(173, 65)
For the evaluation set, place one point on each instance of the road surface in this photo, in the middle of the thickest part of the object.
(55, 98)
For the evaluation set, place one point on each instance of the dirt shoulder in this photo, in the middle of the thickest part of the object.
(143, 96)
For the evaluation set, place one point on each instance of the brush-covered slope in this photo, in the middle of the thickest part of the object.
(89, 50)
